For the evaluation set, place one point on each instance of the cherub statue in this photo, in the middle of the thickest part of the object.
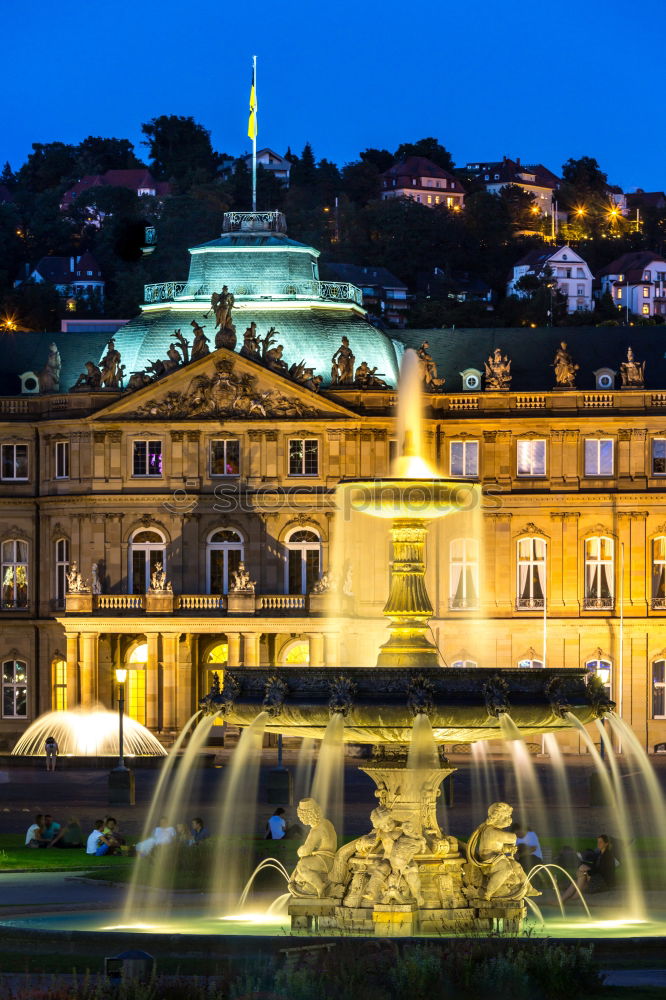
(404, 880)
(491, 849)
(342, 363)
(49, 376)
(565, 369)
(75, 582)
(274, 359)
(632, 372)
(173, 359)
(200, 346)
(91, 378)
(498, 371)
(310, 877)
(324, 584)
(241, 582)
(158, 580)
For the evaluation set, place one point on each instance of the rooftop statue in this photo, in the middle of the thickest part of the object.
(75, 582)
(221, 304)
(251, 343)
(173, 360)
(49, 376)
(200, 346)
(342, 363)
(91, 378)
(325, 584)
(158, 580)
(241, 582)
(565, 369)
(429, 368)
(272, 355)
(96, 585)
(367, 378)
(111, 374)
(491, 850)
(184, 346)
(498, 371)
(632, 372)
(138, 380)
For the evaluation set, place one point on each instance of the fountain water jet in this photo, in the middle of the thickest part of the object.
(83, 732)
(329, 775)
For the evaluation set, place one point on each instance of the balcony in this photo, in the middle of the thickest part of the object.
(599, 603)
(659, 603)
(165, 602)
(269, 291)
(529, 604)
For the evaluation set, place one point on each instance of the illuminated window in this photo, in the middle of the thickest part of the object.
(60, 685)
(219, 654)
(530, 664)
(14, 689)
(646, 310)
(531, 458)
(646, 292)
(147, 458)
(61, 570)
(599, 583)
(62, 459)
(531, 565)
(449, 202)
(14, 574)
(599, 457)
(303, 457)
(297, 654)
(14, 461)
(225, 458)
(619, 293)
(464, 574)
(303, 547)
(135, 689)
(467, 664)
(464, 459)
(659, 572)
(146, 549)
(603, 670)
(659, 689)
(659, 457)
(224, 550)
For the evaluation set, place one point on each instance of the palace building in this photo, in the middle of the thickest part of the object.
(137, 476)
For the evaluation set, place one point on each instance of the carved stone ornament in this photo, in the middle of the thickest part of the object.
(632, 372)
(498, 371)
(565, 369)
(343, 692)
(274, 697)
(496, 694)
(224, 393)
(420, 695)
(75, 582)
(241, 583)
(158, 580)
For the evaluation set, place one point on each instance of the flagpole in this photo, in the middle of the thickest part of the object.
(254, 142)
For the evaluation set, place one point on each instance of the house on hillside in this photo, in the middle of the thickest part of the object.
(422, 180)
(455, 285)
(534, 179)
(73, 277)
(383, 293)
(570, 272)
(274, 163)
(636, 281)
(139, 180)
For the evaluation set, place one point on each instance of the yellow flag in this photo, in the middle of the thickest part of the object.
(252, 123)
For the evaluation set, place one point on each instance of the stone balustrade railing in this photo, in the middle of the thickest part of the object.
(331, 291)
(119, 602)
(281, 602)
(201, 602)
(165, 602)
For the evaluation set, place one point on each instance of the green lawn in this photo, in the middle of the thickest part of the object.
(14, 856)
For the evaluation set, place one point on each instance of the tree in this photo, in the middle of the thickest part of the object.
(96, 155)
(546, 305)
(179, 148)
(304, 169)
(361, 181)
(7, 176)
(520, 206)
(35, 306)
(585, 174)
(379, 158)
(50, 165)
(431, 148)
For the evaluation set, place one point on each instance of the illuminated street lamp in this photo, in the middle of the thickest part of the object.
(121, 677)
(121, 779)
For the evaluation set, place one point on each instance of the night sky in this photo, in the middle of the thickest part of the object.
(488, 79)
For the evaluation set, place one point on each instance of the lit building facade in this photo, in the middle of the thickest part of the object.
(559, 555)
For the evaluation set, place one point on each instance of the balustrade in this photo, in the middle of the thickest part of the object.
(335, 291)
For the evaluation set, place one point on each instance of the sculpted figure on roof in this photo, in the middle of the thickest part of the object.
(565, 369)
(251, 342)
(49, 376)
(342, 363)
(498, 371)
(110, 367)
(367, 378)
(200, 346)
(632, 372)
(221, 304)
(429, 368)
(91, 378)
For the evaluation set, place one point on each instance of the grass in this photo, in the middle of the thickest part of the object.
(14, 856)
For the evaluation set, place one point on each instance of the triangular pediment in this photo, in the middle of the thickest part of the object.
(222, 385)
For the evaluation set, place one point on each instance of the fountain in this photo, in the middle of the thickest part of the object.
(405, 876)
(83, 732)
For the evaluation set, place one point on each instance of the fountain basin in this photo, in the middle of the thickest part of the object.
(379, 704)
(407, 499)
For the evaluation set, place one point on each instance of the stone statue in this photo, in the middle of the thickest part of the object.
(404, 883)
(75, 582)
(365, 377)
(138, 380)
(184, 346)
(241, 582)
(91, 378)
(272, 355)
(173, 359)
(221, 304)
(109, 365)
(200, 346)
(565, 369)
(429, 368)
(49, 376)
(251, 342)
(498, 371)
(491, 850)
(310, 877)
(342, 363)
(96, 583)
(158, 580)
(632, 372)
(325, 584)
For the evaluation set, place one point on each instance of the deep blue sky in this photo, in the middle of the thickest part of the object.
(530, 80)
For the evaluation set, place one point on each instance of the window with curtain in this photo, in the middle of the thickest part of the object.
(224, 550)
(61, 570)
(531, 458)
(599, 584)
(599, 457)
(464, 574)
(659, 689)
(464, 459)
(603, 669)
(303, 560)
(14, 689)
(659, 572)
(531, 573)
(14, 574)
(60, 685)
(146, 549)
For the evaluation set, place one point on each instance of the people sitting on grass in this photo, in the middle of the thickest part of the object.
(68, 836)
(113, 835)
(51, 828)
(161, 836)
(97, 843)
(198, 832)
(596, 872)
(276, 827)
(35, 834)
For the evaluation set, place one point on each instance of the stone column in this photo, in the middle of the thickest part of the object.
(316, 649)
(73, 696)
(233, 641)
(331, 649)
(187, 683)
(88, 669)
(169, 685)
(153, 681)
(251, 649)
(504, 585)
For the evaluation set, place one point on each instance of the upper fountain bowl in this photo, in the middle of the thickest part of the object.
(402, 499)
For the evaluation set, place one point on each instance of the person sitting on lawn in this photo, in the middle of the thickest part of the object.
(276, 827)
(97, 843)
(161, 835)
(51, 828)
(113, 835)
(597, 870)
(35, 834)
(70, 835)
(199, 832)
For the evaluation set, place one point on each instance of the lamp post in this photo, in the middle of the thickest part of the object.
(121, 779)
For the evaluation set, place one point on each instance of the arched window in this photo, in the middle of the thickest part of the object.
(224, 551)
(531, 585)
(464, 574)
(61, 570)
(296, 653)
(659, 572)
(602, 669)
(59, 668)
(136, 682)
(14, 689)
(14, 574)
(530, 664)
(659, 689)
(599, 572)
(146, 549)
(465, 663)
(303, 560)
